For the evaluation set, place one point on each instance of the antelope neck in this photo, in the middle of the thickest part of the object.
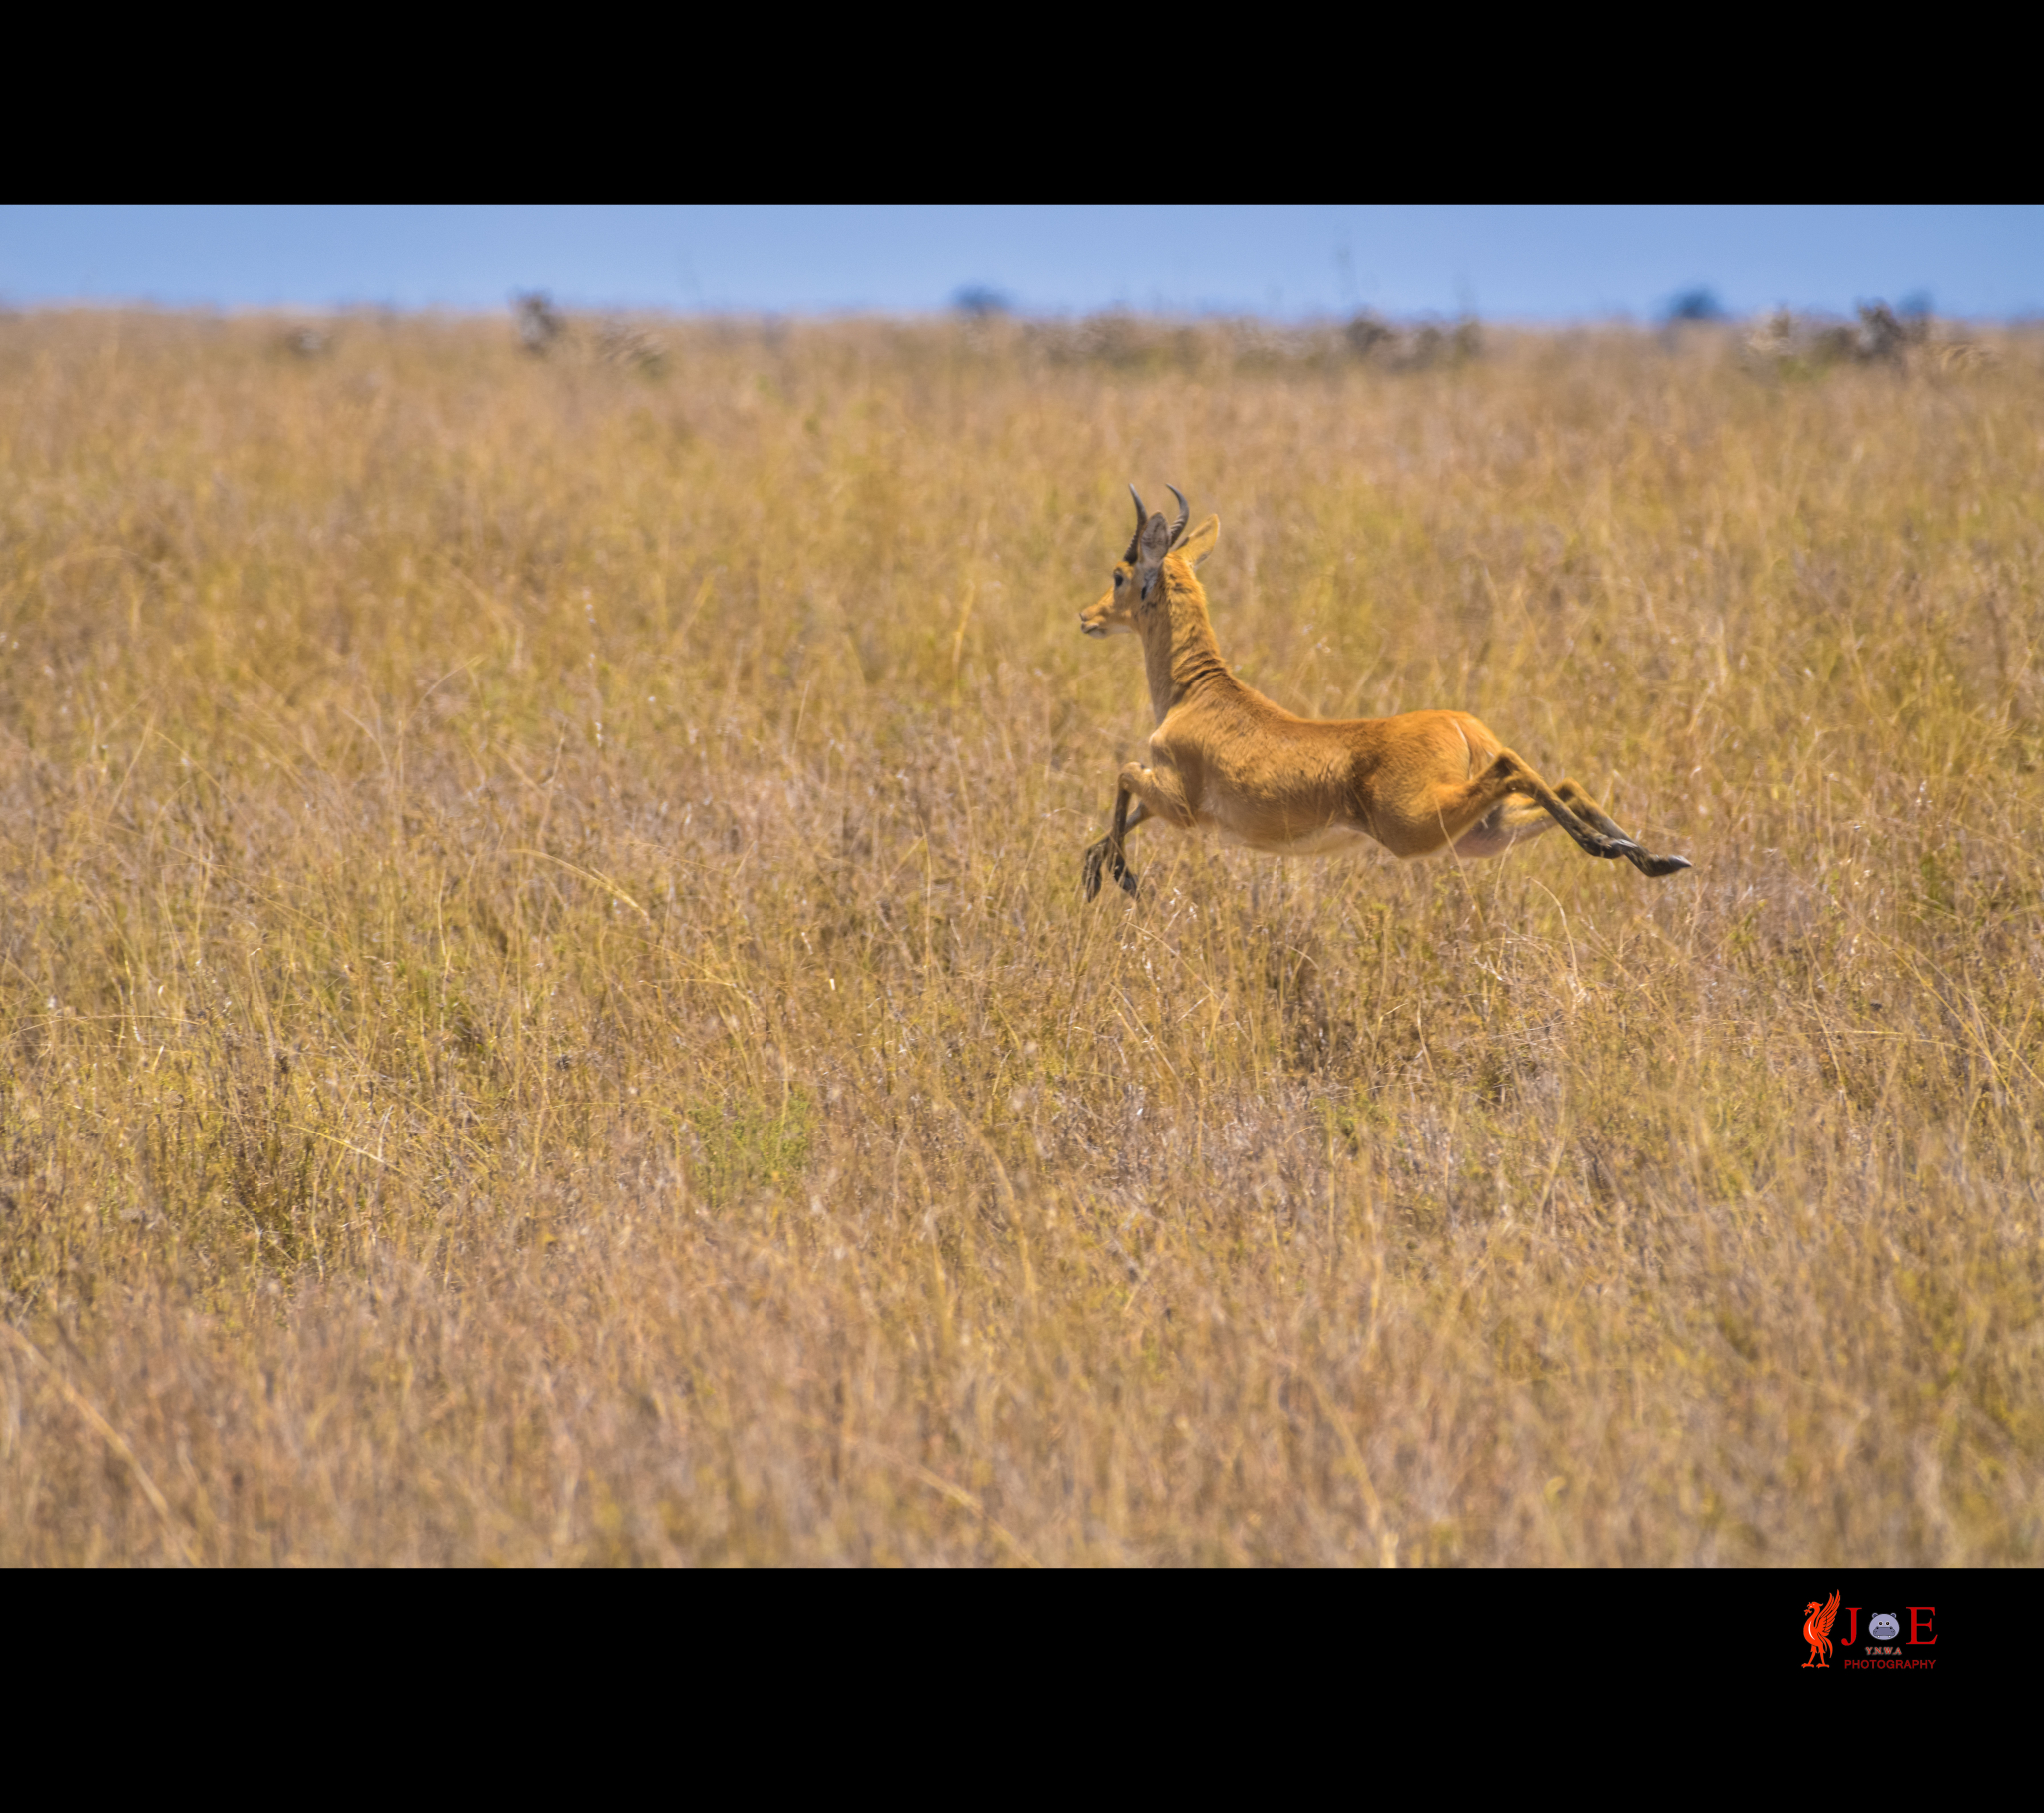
(1179, 649)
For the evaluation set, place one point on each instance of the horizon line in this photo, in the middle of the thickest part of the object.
(1725, 317)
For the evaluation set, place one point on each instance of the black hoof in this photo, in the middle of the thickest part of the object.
(1662, 865)
(1101, 856)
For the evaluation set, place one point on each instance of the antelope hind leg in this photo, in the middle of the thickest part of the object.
(1503, 827)
(1587, 809)
(1461, 807)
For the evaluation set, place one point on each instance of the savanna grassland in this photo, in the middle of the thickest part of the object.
(549, 1017)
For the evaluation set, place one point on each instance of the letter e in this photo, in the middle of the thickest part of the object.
(1915, 1627)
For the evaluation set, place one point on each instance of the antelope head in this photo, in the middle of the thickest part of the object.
(1137, 590)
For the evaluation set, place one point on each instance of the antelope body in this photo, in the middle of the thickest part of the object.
(1223, 758)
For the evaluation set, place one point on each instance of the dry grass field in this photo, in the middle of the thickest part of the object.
(549, 1017)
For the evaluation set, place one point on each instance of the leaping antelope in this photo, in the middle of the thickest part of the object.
(1224, 758)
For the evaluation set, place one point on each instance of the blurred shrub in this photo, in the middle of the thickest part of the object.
(981, 301)
(1698, 305)
(1130, 343)
(1786, 344)
(539, 324)
(634, 348)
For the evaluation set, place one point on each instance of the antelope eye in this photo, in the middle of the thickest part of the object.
(1118, 578)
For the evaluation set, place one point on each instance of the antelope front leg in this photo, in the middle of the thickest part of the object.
(1161, 790)
(1159, 793)
(1107, 850)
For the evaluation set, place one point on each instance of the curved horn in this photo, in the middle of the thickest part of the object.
(1142, 517)
(1185, 515)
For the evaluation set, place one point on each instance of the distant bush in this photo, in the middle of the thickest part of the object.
(622, 343)
(981, 299)
(539, 324)
(1699, 305)
(1788, 344)
(1133, 342)
(1366, 332)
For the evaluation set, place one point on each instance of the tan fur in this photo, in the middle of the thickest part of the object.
(1226, 760)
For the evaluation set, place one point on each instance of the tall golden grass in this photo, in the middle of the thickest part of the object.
(549, 1014)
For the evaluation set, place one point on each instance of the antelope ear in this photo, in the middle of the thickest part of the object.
(1197, 545)
(1150, 542)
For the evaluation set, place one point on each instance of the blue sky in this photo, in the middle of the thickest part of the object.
(1535, 264)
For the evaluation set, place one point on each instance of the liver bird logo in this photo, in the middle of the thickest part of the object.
(1816, 1632)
